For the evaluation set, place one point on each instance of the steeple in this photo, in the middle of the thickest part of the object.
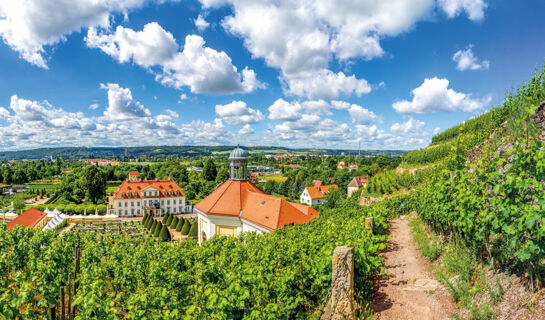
(239, 164)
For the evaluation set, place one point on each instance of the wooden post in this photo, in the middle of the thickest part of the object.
(52, 313)
(341, 304)
(369, 223)
(62, 302)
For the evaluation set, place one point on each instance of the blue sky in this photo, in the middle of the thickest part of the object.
(386, 74)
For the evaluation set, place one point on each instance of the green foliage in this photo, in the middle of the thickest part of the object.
(429, 244)
(286, 273)
(165, 218)
(498, 214)
(186, 227)
(93, 181)
(165, 234)
(180, 224)
(173, 222)
(209, 171)
(193, 232)
(157, 229)
(18, 205)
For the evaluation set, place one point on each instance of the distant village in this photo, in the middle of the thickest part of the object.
(238, 194)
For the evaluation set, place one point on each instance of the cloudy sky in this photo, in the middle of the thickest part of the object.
(297, 73)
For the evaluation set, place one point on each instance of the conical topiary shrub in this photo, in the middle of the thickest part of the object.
(149, 222)
(193, 231)
(157, 230)
(165, 234)
(165, 217)
(144, 218)
(186, 227)
(169, 220)
(180, 224)
(173, 222)
(154, 226)
(151, 225)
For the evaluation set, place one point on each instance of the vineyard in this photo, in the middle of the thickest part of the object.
(281, 275)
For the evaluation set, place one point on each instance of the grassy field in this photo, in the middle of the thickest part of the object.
(275, 177)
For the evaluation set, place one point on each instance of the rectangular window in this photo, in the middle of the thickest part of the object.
(126, 203)
(168, 202)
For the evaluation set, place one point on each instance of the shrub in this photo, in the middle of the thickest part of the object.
(165, 234)
(173, 222)
(186, 227)
(180, 224)
(157, 230)
(193, 231)
(169, 219)
(165, 217)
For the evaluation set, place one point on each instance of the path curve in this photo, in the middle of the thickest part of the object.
(409, 290)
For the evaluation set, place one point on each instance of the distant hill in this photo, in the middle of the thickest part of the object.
(166, 151)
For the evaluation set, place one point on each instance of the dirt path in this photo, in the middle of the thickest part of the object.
(409, 290)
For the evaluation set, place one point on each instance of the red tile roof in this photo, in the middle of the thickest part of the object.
(29, 218)
(358, 181)
(245, 200)
(134, 173)
(133, 189)
(320, 192)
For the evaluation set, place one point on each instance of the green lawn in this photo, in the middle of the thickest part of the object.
(274, 177)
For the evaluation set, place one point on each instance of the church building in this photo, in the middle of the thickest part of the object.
(238, 206)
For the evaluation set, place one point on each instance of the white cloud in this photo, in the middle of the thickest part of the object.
(316, 107)
(121, 105)
(473, 8)
(202, 69)
(340, 105)
(283, 110)
(172, 114)
(324, 84)
(237, 112)
(246, 130)
(301, 38)
(466, 60)
(28, 26)
(434, 95)
(183, 96)
(361, 115)
(4, 113)
(93, 106)
(412, 127)
(201, 23)
(200, 132)
(436, 130)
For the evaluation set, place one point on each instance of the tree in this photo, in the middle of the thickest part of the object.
(180, 224)
(209, 171)
(165, 234)
(93, 181)
(193, 231)
(186, 227)
(18, 205)
(158, 228)
(222, 176)
(334, 197)
(174, 222)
